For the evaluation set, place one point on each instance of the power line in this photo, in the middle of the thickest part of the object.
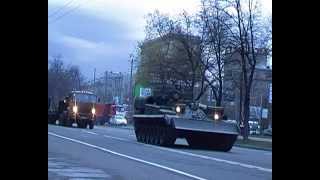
(66, 13)
(61, 8)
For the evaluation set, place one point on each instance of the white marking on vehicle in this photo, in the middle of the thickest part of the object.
(128, 157)
(89, 132)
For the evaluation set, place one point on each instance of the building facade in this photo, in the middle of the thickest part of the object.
(260, 97)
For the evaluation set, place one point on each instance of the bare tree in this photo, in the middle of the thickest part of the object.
(248, 40)
(62, 80)
(212, 22)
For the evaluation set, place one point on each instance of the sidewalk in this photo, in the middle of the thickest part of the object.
(257, 139)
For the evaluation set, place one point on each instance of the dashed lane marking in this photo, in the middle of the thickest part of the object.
(89, 132)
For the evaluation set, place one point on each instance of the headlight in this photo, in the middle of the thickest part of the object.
(216, 116)
(93, 111)
(178, 109)
(75, 109)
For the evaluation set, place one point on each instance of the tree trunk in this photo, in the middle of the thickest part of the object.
(240, 105)
(219, 100)
(246, 115)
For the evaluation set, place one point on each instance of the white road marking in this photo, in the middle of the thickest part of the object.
(247, 149)
(69, 170)
(80, 179)
(117, 138)
(128, 157)
(200, 156)
(89, 132)
(74, 169)
(83, 175)
(212, 158)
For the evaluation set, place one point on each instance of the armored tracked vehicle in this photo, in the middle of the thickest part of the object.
(160, 121)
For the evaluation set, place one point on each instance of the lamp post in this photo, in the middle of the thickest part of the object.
(130, 88)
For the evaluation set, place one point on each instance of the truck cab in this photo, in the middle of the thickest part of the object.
(78, 107)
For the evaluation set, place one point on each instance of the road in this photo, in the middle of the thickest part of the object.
(114, 153)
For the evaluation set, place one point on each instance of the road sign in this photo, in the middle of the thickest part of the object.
(264, 113)
(270, 93)
(145, 92)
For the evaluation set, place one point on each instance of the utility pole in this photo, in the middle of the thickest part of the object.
(106, 87)
(261, 111)
(94, 81)
(130, 88)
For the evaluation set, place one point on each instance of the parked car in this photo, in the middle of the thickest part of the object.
(267, 132)
(118, 119)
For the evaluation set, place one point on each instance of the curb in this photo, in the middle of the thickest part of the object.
(253, 147)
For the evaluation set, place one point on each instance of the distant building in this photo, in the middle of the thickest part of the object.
(262, 82)
(113, 87)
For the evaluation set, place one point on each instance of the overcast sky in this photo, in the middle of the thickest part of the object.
(101, 33)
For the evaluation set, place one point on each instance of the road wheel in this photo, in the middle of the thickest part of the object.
(152, 138)
(143, 135)
(146, 135)
(157, 136)
(161, 136)
(138, 134)
(149, 135)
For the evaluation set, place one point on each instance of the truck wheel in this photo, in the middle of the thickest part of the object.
(69, 123)
(62, 122)
(81, 124)
(85, 124)
(91, 125)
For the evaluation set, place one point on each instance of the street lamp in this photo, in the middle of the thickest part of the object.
(130, 88)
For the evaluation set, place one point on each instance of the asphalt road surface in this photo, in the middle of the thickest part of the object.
(114, 153)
